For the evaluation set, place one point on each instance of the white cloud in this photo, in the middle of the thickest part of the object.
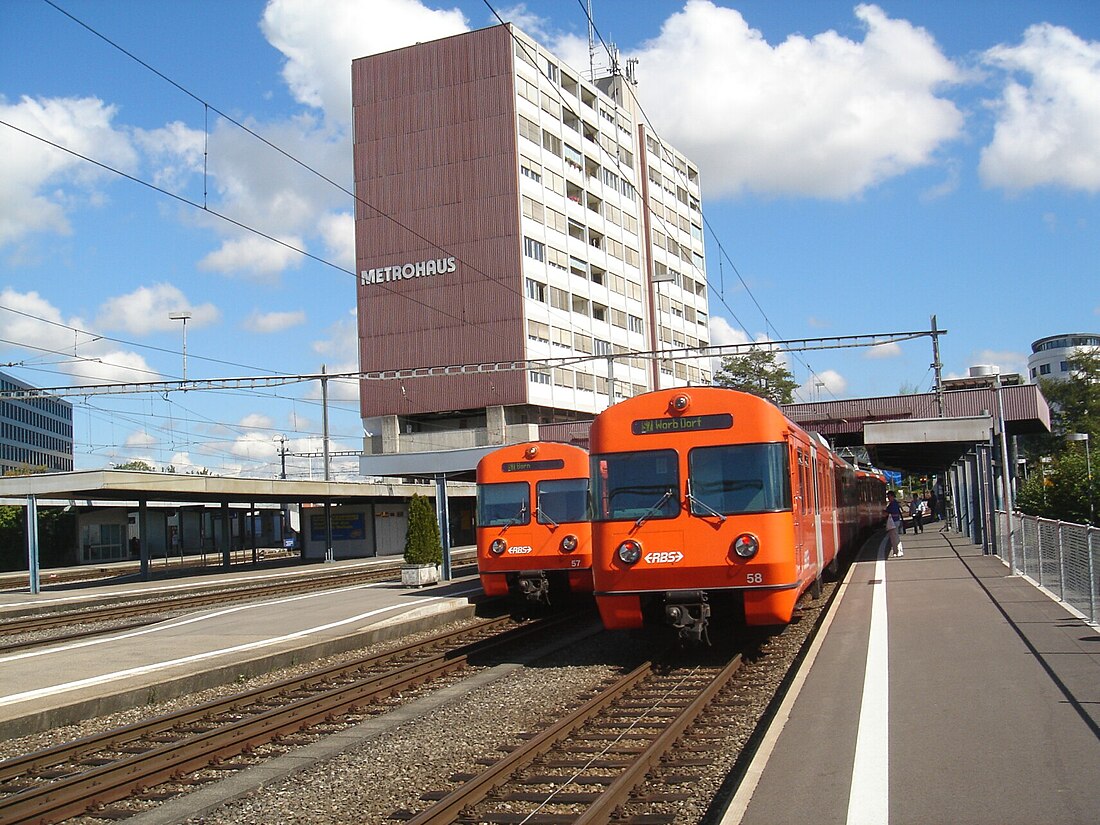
(1007, 360)
(319, 47)
(825, 117)
(257, 421)
(40, 184)
(146, 310)
(1048, 132)
(890, 350)
(267, 323)
(176, 150)
(337, 231)
(721, 332)
(253, 256)
(140, 438)
(826, 385)
(39, 328)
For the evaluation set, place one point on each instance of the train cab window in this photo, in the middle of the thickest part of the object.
(562, 500)
(502, 505)
(739, 478)
(643, 485)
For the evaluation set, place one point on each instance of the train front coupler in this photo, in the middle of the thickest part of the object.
(535, 587)
(689, 612)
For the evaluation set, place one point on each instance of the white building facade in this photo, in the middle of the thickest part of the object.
(1050, 356)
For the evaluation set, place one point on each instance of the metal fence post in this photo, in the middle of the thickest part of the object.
(1039, 557)
(1061, 563)
(1089, 535)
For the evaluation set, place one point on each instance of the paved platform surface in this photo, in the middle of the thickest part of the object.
(59, 684)
(945, 691)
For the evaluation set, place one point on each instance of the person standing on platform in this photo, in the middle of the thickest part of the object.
(916, 508)
(893, 523)
(933, 506)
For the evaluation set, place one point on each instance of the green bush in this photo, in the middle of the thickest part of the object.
(422, 544)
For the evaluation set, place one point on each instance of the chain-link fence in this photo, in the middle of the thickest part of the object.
(1058, 555)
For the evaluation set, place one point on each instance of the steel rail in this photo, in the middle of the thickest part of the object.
(619, 791)
(74, 750)
(73, 796)
(447, 809)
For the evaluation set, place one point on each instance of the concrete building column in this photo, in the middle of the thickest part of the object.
(391, 435)
(496, 425)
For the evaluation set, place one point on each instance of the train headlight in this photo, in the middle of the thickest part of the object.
(498, 546)
(569, 543)
(629, 551)
(746, 545)
(680, 402)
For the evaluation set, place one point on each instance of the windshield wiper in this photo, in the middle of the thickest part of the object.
(540, 514)
(704, 506)
(518, 518)
(660, 503)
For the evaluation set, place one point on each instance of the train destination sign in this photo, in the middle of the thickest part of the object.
(683, 424)
(419, 269)
(528, 466)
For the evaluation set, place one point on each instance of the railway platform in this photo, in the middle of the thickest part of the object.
(943, 691)
(58, 684)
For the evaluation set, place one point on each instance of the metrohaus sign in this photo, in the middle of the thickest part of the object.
(403, 272)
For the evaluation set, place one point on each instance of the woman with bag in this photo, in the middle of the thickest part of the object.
(893, 522)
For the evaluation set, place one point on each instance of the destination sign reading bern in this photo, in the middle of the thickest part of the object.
(419, 269)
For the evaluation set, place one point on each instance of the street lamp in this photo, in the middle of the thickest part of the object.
(182, 316)
(1088, 467)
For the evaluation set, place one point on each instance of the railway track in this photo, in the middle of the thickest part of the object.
(147, 609)
(588, 764)
(86, 775)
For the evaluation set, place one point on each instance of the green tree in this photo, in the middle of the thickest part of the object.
(1075, 401)
(759, 373)
(57, 545)
(137, 464)
(1059, 488)
(422, 543)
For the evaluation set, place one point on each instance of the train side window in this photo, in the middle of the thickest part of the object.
(502, 505)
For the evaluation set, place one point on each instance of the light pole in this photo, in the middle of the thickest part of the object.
(182, 316)
(1088, 468)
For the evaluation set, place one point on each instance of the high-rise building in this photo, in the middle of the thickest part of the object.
(36, 434)
(511, 210)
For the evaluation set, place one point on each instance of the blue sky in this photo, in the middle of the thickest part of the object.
(863, 166)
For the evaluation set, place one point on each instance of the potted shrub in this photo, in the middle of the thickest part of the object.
(423, 549)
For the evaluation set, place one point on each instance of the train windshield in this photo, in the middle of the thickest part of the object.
(562, 500)
(638, 486)
(502, 505)
(739, 478)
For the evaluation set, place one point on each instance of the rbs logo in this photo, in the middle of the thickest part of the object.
(664, 558)
(520, 550)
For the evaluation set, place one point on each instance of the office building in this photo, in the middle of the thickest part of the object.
(510, 210)
(36, 434)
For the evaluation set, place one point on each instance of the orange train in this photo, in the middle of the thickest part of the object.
(534, 538)
(707, 497)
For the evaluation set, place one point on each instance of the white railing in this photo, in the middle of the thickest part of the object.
(1059, 556)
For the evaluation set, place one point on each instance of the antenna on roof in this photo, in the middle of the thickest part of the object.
(591, 46)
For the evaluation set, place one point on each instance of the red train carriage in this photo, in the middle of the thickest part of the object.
(533, 533)
(703, 497)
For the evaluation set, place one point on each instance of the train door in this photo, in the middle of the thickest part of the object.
(820, 545)
(798, 504)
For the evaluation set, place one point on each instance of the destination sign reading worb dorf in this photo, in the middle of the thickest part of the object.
(681, 424)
